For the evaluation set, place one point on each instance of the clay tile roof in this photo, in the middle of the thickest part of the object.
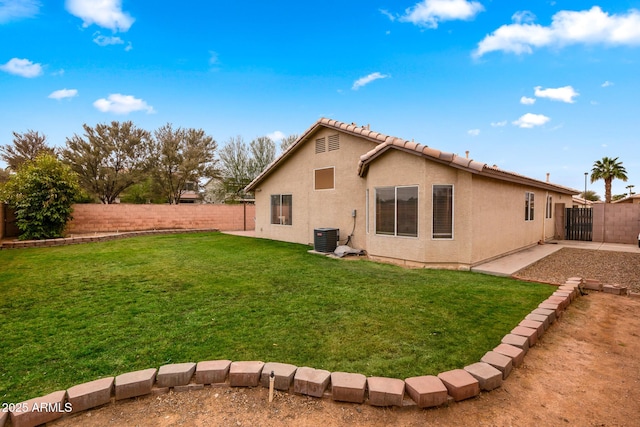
(385, 142)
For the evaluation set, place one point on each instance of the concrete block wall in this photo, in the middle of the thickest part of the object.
(420, 392)
(92, 218)
(616, 223)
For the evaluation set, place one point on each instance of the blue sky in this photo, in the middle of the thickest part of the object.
(533, 87)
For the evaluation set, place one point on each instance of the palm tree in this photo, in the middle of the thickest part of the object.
(607, 169)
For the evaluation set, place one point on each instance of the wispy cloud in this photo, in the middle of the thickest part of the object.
(103, 13)
(428, 13)
(388, 14)
(122, 104)
(473, 132)
(527, 101)
(11, 10)
(531, 120)
(499, 124)
(276, 136)
(589, 27)
(607, 84)
(22, 67)
(363, 81)
(564, 94)
(101, 40)
(63, 93)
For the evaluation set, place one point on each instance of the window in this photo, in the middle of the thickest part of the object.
(324, 179)
(281, 209)
(549, 210)
(442, 212)
(528, 206)
(397, 211)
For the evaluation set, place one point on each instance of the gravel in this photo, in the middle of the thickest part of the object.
(621, 268)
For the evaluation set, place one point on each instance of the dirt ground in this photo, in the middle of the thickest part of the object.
(585, 371)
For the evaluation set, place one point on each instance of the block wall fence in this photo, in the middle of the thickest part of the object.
(95, 218)
(616, 223)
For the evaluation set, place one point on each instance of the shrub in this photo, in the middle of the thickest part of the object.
(42, 193)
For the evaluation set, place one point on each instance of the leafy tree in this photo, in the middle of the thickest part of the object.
(608, 169)
(42, 193)
(263, 152)
(590, 195)
(182, 156)
(4, 175)
(616, 197)
(287, 141)
(235, 162)
(26, 146)
(143, 192)
(109, 158)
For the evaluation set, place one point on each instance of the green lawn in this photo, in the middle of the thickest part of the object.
(78, 313)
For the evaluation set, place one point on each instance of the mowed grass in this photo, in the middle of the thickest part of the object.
(78, 313)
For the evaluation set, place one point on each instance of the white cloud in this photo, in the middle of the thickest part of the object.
(363, 81)
(122, 104)
(16, 9)
(104, 13)
(63, 93)
(129, 47)
(591, 26)
(499, 124)
(276, 136)
(101, 40)
(473, 132)
(22, 67)
(607, 84)
(523, 17)
(530, 120)
(564, 94)
(527, 101)
(429, 13)
(387, 14)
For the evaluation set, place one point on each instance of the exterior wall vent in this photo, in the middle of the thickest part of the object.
(334, 142)
(325, 239)
(320, 145)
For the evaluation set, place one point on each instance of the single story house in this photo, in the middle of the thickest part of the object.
(401, 201)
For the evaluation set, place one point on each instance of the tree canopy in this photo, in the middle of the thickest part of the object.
(181, 156)
(109, 158)
(26, 146)
(608, 169)
(42, 193)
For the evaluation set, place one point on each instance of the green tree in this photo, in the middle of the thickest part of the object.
(42, 193)
(608, 169)
(590, 195)
(109, 158)
(26, 146)
(263, 152)
(4, 175)
(182, 157)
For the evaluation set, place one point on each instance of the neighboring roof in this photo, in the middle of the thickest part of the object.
(386, 143)
(628, 199)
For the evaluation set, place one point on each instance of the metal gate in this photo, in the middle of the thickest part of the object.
(579, 224)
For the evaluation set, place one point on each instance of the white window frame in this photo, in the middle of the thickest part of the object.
(549, 210)
(395, 211)
(529, 206)
(334, 178)
(453, 207)
(280, 216)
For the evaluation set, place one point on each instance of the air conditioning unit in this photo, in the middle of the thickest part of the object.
(325, 239)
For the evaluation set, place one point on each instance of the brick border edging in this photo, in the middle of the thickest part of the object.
(422, 392)
(64, 241)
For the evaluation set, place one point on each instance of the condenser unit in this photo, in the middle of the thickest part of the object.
(325, 239)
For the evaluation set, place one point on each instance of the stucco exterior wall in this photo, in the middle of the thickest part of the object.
(498, 217)
(317, 208)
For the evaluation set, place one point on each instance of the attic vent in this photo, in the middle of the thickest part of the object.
(320, 146)
(334, 142)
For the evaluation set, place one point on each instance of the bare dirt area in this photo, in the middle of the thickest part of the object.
(584, 371)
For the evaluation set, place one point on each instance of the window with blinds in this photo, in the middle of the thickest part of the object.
(442, 212)
(528, 206)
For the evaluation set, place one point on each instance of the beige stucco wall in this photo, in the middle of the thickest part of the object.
(499, 224)
(317, 208)
(488, 214)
